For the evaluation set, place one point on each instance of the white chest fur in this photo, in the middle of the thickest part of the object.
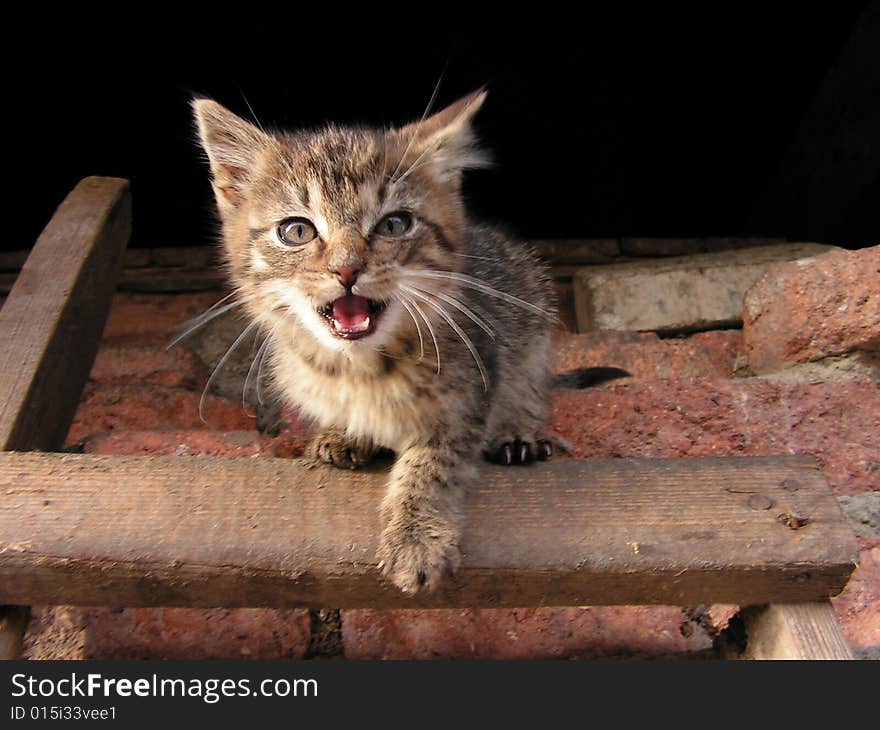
(373, 403)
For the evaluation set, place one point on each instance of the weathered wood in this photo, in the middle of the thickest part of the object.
(52, 321)
(136, 258)
(191, 257)
(12, 260)
(51, 324)
(689, 246)
(210, 531)
(577, 250)
(794, 631)
(170, 279)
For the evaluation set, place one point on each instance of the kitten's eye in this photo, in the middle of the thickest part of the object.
(296, 231)
(394, 224)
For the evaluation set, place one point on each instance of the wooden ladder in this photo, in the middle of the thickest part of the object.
(764, 533)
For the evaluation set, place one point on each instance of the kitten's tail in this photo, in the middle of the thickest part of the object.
(586, 377)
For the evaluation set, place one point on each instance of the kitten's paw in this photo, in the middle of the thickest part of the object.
(332, 447)
(524, 451)
(511, 450)
(417, 557)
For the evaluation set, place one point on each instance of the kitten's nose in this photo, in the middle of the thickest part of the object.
(347, 275)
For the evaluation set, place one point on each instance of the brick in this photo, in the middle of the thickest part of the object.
(211, 344)
(863, 512)
(154, 318)
(197, 443)
(858, 606)
(721, 417)
(533, 633)
(679, 294)
(813, 309)
(67, 632)
(134, 407)
(645, 355)
(148, 365)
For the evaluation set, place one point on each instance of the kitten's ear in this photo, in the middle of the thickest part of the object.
(448, 137)
(232, 145)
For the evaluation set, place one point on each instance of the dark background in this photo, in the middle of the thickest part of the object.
(670, 122)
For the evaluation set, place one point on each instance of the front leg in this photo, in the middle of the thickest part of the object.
(422, 513)
(334, 447)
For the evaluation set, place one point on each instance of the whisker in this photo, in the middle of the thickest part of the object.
(220, 364)
(251, 370)
(459, 331)
(419, 125)
(251, 109)
(455, 303)
(415, 164)
(480, 285)
(260, 368)
(416, 323)
(213, 306)
(207, 316)
(482, 258)
(486, 316)
(418, 309)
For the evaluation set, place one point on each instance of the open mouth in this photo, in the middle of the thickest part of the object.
(352, 317)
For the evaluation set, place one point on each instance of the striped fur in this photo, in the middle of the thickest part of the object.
(457, 365)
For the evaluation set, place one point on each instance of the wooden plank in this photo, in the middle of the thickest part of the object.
(167, 279)
(191, 257)
(52, 321)
(12, 260)
(51, 325)
(579, 251)
(794, 631)
(135, 258)
(689, 246)
(211, 531)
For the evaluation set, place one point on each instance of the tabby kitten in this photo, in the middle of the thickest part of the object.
(390, 318)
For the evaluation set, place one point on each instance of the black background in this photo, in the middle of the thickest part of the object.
(619, 121)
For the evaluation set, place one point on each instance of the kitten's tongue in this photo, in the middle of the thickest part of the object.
(352, 312)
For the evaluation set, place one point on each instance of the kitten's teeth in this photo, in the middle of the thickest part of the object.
(360, 327)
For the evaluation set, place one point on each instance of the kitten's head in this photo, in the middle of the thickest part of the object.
(331, 226)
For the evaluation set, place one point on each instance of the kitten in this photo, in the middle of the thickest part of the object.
(390, 318)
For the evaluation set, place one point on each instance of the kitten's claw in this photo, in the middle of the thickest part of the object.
(415, 558)
(508, 455)
(331, 447)
(519, 451)
(525, 451)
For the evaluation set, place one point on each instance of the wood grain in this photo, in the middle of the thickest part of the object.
(51, 325)
(578, 251)
(210, 531)
(794, 631)
(52, 321)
